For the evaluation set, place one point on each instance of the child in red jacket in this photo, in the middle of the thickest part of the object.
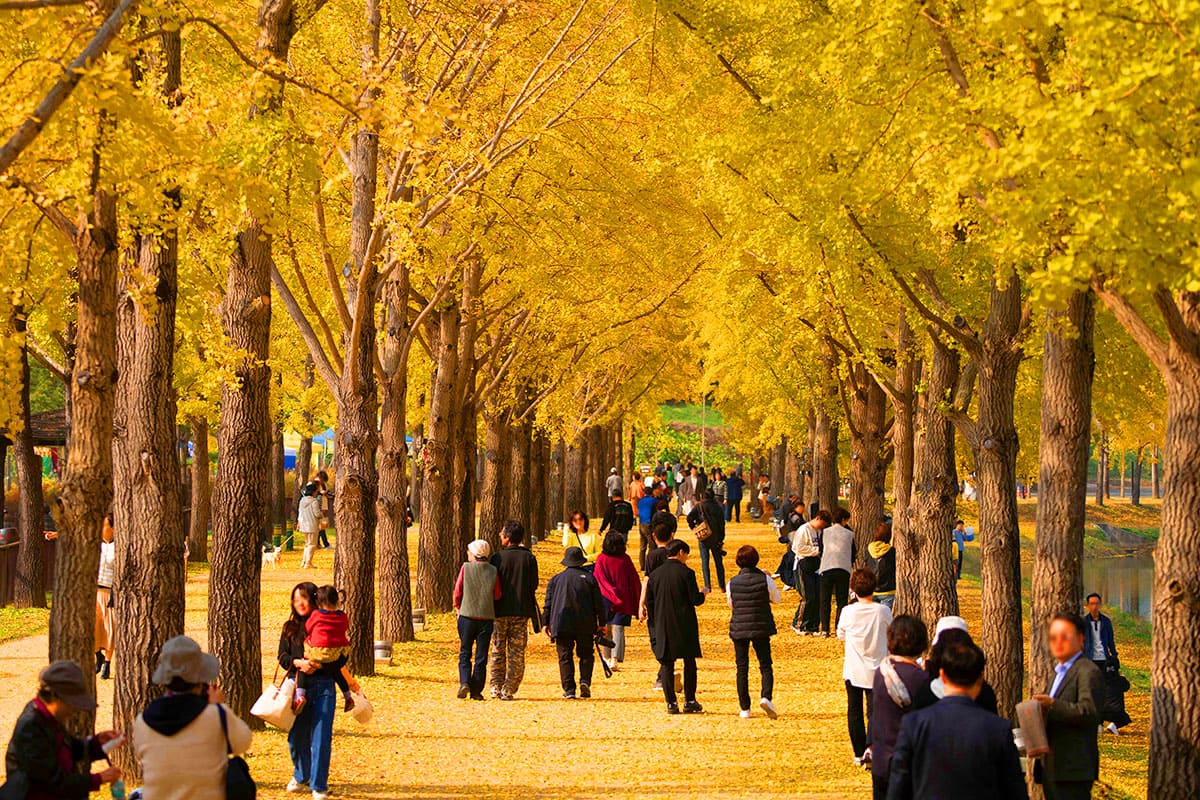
(327, 643)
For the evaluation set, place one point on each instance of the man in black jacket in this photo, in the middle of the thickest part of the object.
(671, 597)
(954, 748)
(619, 515)
(517, 570)
(574, 613)
(40, 746)
(710, 512)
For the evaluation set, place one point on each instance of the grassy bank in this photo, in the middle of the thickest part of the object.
(18, 623)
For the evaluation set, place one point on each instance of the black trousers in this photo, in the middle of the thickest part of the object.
(808, 582)
(666, 674)
(835, 585)
(570, 645)
(741, 657)
(322, 538)
(644, 536)
(1068, 790)
(854, 717)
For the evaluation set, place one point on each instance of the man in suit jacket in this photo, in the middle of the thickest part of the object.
(1072, 705)
(1099, 644)
(954, 749)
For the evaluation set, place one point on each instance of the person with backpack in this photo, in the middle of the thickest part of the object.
(752, 624)
(574, 614)
(618, 516)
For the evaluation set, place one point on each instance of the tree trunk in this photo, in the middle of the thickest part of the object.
(1135, 477)
(438, 552)
(150, 572)
(242, 494)
(497, 474)
(87, 479)
(522, 480)
(278, 473)
(574, 478)
(556, 479)
(631, 463)
(1101, 466)
(466, 484)
(935, 489)
(414, 493)
(825, 457)
(810, 491)
(1156, 473)
(538, 503)
(1124, 466)
(29, 588)
(868, 463)
(908, 597)
(597, 471)
(201, 501)
(996, 446)
(1068, 365)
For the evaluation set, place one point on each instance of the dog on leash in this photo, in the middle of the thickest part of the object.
(270, 555)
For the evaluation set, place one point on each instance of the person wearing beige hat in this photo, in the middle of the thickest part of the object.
(475, 594)
(42, 757)
(183, 738)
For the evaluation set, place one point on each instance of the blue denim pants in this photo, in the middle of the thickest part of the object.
(477, 633)
(311, 738)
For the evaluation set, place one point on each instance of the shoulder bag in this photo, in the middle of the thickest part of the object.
(238, 783)
(274, 705)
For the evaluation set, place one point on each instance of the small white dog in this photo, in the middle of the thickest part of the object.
(270, 556)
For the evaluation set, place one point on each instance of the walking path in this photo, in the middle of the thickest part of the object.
(424, 743)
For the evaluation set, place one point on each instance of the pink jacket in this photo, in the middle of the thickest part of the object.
(619, 582)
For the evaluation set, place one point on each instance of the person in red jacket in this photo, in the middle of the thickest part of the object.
(622, 592)
(327, 643)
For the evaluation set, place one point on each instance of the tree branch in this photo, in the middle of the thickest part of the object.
(1135, 324)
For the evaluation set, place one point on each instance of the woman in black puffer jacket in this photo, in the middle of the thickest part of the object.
(750, 595)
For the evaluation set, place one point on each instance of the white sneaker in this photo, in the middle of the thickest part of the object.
(294, 786)
(744, 714)
(768, 708)
(1112, 728)
(320, 795)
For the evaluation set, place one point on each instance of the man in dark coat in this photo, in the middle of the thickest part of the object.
(1072, 705)
(671, 599)
(43, 759)
(954, 748)
(574, 613)
(710, 512)
(517, 570)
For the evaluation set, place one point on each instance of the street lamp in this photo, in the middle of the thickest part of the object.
(704, 419)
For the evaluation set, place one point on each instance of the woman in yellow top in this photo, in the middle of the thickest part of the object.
(576, 535)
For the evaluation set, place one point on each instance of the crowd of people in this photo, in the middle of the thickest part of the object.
(919, 715)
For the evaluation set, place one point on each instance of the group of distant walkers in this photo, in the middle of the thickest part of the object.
(919, 714)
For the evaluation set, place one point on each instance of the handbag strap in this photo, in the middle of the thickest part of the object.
(224, 729)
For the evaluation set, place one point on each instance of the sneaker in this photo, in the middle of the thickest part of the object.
(568, 695)
(295, 787)
(672, 708)
(822, 634)
(99, 661)
(477, 696)
(104, 671)
(787, 588)
(657, 685)
(858, 762)
(463, 691)
(769, 708)
(678, 683)
(585, 690)
(506, 696)
(692, 707)
(320, 795)
(744, 714)
(1112, 728)
(799, 631)
(866, 757)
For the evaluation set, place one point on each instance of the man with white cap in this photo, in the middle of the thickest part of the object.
(614, 482)
(41, 748)
(475, 594)
(948, 631)
(183, 738)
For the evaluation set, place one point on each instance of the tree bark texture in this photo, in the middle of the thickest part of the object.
(521, 479)
(908, 596)
(29, 588)
(555, 483)
(597, 466)
(1068, 365)
(87, 479)
(150, 575)
(438, 550)
(278, 513)
(574, 478)
(538, 521)
(868, 461)
(935, 489)
(825, 458)
(201, 500)
(497, 476)
(996, 446)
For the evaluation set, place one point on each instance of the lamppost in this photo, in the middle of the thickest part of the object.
(704, 420)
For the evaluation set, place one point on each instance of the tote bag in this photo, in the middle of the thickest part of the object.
(274, 705)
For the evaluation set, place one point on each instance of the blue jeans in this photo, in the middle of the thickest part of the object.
(311, 737)
(477, 632)
(714, 551)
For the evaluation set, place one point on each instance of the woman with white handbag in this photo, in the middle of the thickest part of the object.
(310, 739)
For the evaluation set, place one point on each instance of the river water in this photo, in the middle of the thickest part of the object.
(1124, 582)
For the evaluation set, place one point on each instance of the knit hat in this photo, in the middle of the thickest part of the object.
(65, 679)
(182, 658)
(949, 624)
(479, 549)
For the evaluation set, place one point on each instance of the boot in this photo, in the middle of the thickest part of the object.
(104, 671)
(99, 661)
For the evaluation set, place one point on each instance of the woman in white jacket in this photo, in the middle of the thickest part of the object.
(309, 522)
(180, 739)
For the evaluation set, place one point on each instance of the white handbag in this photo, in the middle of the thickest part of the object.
(274, 705)
(362, 711)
